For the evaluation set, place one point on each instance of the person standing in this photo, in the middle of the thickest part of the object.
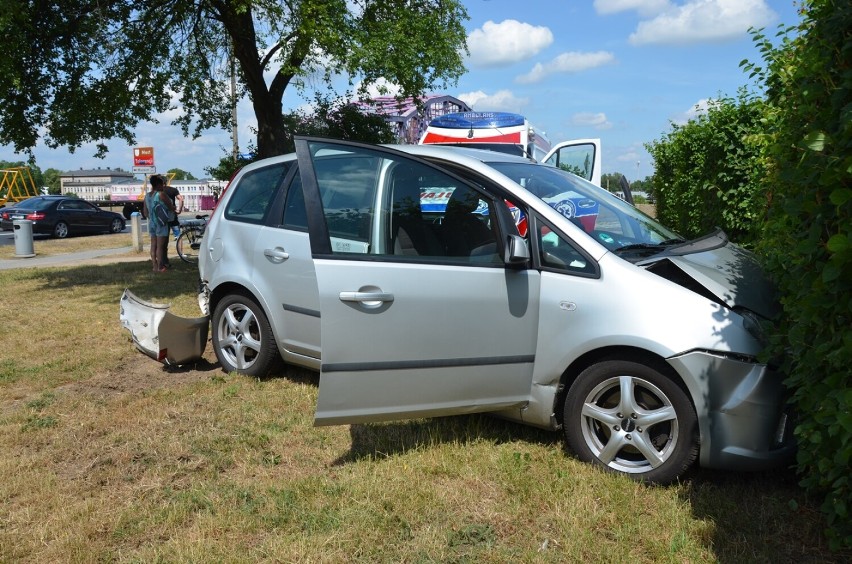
(177, 204)
(157, 209)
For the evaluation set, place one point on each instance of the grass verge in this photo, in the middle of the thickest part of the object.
(108, 456)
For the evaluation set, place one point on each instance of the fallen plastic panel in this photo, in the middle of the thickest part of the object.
(162, 335)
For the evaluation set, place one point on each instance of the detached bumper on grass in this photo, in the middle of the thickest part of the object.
(161, 335)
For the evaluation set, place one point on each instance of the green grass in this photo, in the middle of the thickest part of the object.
(107, 456)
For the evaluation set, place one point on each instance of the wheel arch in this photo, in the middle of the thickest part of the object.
(626, 353)
(229, 288)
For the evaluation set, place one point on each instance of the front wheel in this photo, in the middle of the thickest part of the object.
(630, 418)
(242, 337)
(188, 245)
(116, 226)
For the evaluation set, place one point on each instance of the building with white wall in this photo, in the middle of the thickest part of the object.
(116, 185)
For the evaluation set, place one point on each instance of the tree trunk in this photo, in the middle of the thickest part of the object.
(272, 137)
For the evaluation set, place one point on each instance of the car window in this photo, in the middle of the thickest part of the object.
(254, 193)
(36, 204)
(74, 205)
(348, 183)
(557, 252)
(577, 159)
(295, 215)
(378, 203)
(601, 215)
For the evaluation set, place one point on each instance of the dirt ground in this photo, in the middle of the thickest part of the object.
(145, 374)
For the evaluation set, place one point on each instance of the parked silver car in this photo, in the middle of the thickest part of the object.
(425, 281)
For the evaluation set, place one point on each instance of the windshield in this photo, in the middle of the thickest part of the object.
(611, 221)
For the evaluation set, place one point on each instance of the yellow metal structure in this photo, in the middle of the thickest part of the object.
(16, 184)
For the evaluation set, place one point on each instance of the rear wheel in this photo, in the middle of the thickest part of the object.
(60, 230)
(188, 245)
(630, 418)
(242, 337)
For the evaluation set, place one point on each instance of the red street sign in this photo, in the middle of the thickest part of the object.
(143, 156)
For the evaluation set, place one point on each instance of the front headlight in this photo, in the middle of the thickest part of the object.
(753, 323)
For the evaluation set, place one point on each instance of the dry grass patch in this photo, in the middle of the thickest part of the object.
(107, 456)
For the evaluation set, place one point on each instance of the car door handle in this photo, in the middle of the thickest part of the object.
(366, 298)
(276, 255)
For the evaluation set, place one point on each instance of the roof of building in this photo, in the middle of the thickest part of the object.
(96, 172)
(400, 110)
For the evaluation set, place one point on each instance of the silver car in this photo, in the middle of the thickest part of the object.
(425, 281)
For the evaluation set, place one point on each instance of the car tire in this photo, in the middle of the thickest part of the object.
(630, 418)
(117, 226)
(242, 337)
(60, 230)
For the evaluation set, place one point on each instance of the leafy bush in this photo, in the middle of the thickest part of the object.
(807, 241)
(708, 171)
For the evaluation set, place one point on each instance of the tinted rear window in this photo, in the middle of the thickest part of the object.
(35, 204)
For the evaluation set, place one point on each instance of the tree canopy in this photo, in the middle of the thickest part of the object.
(87, 71)
(180, 174)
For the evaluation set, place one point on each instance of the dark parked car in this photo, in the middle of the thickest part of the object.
(7, 208)
(60, 216)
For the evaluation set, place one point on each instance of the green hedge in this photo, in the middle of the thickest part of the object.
(806, 241)
(708, 171)
(776, 173)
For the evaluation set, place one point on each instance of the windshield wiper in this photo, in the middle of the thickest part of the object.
(662, 245)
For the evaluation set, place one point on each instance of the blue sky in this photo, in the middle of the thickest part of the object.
(620, 70)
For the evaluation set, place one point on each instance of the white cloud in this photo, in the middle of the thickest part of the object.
(506, 42)
(566, 63)
(380, 87)
(644, 7)
(702, 21)
(589, 119)
(698, 108)
(500, 101)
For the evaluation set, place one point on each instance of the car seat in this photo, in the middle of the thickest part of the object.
(463, 230)
(410, 234)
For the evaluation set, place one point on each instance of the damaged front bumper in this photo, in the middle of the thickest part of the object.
(162, 335)
(741, 411)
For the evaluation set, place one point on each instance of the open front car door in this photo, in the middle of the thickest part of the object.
(420, 315)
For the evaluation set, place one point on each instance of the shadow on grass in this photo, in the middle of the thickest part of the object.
(759, 516)
(202, 365)
(753, 516)
(180, 280)
(380, 440)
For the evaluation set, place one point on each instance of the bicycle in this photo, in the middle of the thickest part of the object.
(188, 242)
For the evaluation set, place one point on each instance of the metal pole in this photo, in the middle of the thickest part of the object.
(234, 104)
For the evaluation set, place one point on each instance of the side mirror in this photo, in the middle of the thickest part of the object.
(516, 252)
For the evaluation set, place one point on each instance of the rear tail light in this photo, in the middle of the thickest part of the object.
(35, 216)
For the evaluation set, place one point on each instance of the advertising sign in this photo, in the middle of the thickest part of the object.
(143, 156)
(143, 160)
